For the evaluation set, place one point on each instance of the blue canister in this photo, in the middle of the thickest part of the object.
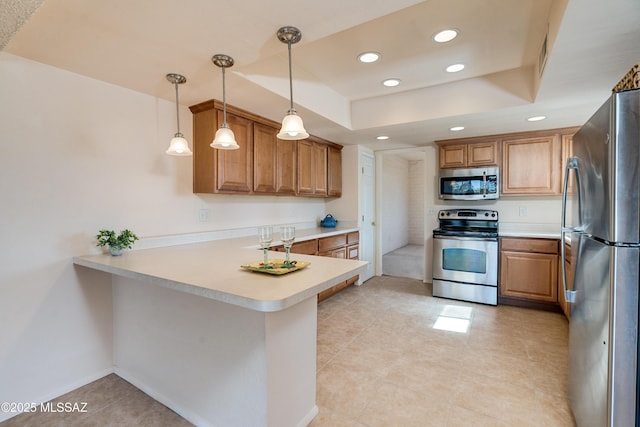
(329, 221)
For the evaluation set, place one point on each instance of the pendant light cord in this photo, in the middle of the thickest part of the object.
(290, 78)
(224, 99)
(177, 109)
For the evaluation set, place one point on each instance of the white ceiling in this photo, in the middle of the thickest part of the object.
(133, 44)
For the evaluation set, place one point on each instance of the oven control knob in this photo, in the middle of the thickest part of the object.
(486, 214)
(493, 214)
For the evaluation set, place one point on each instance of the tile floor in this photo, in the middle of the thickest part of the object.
(381, 363)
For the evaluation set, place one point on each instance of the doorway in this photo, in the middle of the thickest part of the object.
(402, 212)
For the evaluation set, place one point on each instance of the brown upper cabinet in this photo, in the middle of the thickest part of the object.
(263, 164)
(532, 163)
(313, 167)
(458, 154)
(334, 173)
(275, 162)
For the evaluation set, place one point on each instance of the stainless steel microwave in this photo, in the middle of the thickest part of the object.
(469, 184)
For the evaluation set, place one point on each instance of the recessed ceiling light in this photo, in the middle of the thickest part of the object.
(536, 118)
(391, 82)
(382, 137)
(368, 57)
(445, 36)
(456, 128)
(454, 68)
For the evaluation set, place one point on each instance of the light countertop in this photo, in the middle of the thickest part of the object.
(542, 231)
(212, 269)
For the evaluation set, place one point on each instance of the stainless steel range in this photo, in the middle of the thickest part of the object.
(465, 255)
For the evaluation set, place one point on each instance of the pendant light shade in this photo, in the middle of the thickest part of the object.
(224, 139)
(178, 146)
(292, 126)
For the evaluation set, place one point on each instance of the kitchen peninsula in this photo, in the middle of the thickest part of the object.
(218, 344)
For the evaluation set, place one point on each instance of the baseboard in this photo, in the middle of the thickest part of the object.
(169, 403)
(306, 420)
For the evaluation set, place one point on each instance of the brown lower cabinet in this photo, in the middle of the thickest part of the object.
(529, 272)
(345, 246)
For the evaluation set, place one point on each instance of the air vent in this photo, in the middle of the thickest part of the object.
(542, 56)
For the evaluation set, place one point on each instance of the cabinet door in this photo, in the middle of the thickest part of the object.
(482, 154)
(264, 158)
(453, 156)
(235, 167)
(320, 158)
(353, 251)
(531, 165)
(335, 253)
(306, 168)
(286, 166)
(530, 276)
(334, 178)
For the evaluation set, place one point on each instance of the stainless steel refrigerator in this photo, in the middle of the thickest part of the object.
(604, 228)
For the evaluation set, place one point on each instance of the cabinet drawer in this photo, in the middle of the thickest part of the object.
(353, 237)
(307, 247)
(353, 252)
(544, 246)
(335, 253)
(332, 242)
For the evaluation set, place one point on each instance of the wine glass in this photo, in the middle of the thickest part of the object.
(265, 236)
(287, 235)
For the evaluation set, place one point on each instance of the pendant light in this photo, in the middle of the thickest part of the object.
(224, 140)
(178, 146)
(292, 126)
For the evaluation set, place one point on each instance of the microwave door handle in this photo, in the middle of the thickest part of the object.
(572, 164)
(484, 183)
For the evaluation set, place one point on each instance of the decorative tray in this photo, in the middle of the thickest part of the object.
(277, 267)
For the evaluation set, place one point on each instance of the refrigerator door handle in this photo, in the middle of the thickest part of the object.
(572, 163)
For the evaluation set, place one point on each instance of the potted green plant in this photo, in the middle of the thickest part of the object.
(117, 243)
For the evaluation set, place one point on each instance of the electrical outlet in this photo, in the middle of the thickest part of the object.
(204, 215)
(522, 211)
(431, 210)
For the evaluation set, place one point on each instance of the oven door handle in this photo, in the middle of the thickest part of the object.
(479, 239)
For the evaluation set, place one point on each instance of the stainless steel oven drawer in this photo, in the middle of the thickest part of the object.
(466, 292)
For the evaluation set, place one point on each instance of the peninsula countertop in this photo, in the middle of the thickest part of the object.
(211, 269)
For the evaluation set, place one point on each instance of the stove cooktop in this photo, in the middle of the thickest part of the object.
(467, 223)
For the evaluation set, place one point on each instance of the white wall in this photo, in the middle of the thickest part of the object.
(346, 208)
(416, 202)
(78, 155)
(394, 202)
